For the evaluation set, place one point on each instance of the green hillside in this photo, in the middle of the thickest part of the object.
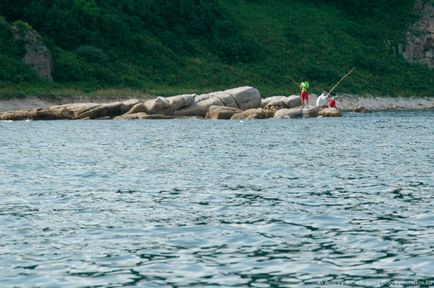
(176, 46)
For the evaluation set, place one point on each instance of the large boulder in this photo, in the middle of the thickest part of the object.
(289, 113)
(221, 112)
(62, 112)
(138, 108)
(202, 103)
(208, 100)
(226, 99)
(293, 101)
(164, 105)
(330, 112)
(74, 109)
(257, 113)
(180, 101)
(283, 102)
(33, 114)
(311, 112)
(246, 97)
(105, 111)
(159, 105)
(266, 101)
(199, 105)
(194, 109)
(128, 104)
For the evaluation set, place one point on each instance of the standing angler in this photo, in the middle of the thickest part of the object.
(304, 86)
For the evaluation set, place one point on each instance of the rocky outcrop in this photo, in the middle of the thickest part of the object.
(187, 105)
(419, 45)
(72, 111)
(37, 55)
(242, 98)
(242, 103)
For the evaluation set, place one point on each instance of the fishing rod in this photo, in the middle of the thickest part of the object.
(295, 82)
(340, 81)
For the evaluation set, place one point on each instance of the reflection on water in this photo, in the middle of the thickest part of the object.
(225, 203)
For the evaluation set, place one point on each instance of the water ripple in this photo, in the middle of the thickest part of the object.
(217, 203)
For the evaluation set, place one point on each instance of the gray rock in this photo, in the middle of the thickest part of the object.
(246, 97)
(159, 105)
(266, 101)
(289, 113)
(143, 116)
(221, 112)
(193, 110)
(226, 98)
(257, 113)
(33, 114)
(283, 102)
(128, 104)
(75, 109)
(104, 111)
(311, 112)
(138, 108)
(209, 101)
(180, 101)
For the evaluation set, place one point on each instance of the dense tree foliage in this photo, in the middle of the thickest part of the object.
(193, 44)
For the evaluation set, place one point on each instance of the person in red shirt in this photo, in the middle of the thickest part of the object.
(332, 103)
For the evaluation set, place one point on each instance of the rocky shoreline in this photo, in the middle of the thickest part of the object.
(238, 103)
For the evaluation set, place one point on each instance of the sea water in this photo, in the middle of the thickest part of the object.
(183, 203)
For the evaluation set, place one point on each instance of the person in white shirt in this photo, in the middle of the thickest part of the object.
(322, 100)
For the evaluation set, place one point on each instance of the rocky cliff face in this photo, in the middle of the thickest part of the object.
(37, 55)
(419, 46)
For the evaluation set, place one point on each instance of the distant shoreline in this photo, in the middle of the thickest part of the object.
(344, 102)
(349, 103)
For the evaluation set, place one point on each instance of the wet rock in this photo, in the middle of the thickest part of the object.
(143, 115)
(330, 112)
(311, 112)
(360, 109)
(250, 114)
(289, 113)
